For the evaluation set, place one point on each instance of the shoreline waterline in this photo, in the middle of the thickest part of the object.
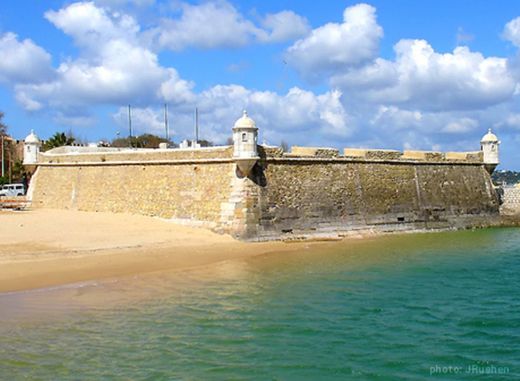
(141, 272)
(45, 248)
(87, 246)
(57, 270)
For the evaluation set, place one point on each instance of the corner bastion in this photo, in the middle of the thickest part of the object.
(310, 191)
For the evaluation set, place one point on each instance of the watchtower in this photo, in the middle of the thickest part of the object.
(31, 149)
(245, 137)
(489, 146)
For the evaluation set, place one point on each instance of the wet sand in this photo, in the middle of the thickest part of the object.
(43, 247)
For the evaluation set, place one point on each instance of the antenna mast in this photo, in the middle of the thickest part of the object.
(196, 125)
(130, 125)
(166, 122)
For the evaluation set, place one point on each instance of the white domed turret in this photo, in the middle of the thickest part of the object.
(245, 136)
(489, 146)
(31, 149)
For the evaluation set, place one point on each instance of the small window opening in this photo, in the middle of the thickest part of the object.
(400, 219)
(244, 137)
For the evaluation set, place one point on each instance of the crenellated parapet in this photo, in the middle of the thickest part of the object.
(378, 155)
(71, 155)
(313, 151)
(382, 154)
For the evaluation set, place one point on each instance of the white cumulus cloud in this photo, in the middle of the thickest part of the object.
(283, 26)
(92, 26)
(421, 78)
(23, 61)
(334, 46)
(461, 126)
(208, 25)
(218, 24)
(512, 31)
(295, 114)
(113, 67)
(122, 3)
(144, 120)
(278, 115)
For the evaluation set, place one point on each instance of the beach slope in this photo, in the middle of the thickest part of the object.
(46, 247)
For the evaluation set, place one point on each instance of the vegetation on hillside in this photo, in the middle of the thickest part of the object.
(506, 177)
(141, 141)
(206, 143)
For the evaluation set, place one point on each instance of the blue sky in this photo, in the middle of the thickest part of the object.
(400, 74)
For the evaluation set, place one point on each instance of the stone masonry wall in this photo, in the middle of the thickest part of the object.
(299, 197)
(510, 201)
(192, 192)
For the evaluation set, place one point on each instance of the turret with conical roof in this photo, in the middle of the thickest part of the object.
(31, 149)
(489, 146)
(245, 137)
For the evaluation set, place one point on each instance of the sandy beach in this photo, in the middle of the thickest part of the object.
(44, 247)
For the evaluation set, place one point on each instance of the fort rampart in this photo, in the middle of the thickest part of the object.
(309, 191)
(510, 200)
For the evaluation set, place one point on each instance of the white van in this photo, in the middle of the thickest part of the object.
(11, 190)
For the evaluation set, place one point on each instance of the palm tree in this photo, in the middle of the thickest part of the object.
(57, 140)
(3, 127)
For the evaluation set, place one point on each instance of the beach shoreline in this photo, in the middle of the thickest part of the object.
(48, 247)
(53, 247)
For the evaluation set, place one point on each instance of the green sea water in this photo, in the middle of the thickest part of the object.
(439, 306)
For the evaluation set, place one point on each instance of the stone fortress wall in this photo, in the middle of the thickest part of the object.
(187, 185)
(318, 191)
(309, 191)
(510, 200)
